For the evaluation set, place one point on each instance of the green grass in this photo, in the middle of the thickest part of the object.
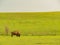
(27, 23)
(37, 23)
(30, 40)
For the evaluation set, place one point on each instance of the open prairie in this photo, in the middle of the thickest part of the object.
(37, 28)
(28, 23)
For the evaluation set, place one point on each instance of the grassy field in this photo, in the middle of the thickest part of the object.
(30, 40)
(36, 23)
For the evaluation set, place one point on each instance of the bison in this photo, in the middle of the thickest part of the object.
(15, 33)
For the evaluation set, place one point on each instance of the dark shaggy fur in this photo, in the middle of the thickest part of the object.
(15, 33)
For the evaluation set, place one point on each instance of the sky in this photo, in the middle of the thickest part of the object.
(29, 5)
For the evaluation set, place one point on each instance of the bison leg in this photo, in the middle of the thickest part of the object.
(18, 35)
(11, 34)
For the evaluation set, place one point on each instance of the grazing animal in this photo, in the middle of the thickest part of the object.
(15, 33)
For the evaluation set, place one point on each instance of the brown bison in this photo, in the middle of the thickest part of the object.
(15, 33)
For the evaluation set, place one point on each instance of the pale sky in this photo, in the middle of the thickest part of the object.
(29, 5)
